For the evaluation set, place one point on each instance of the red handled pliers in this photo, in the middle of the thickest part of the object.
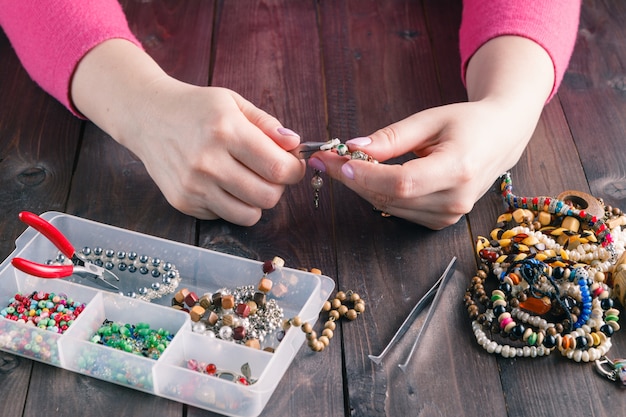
(79, 266)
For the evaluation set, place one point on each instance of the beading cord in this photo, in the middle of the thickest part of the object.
(548, 276)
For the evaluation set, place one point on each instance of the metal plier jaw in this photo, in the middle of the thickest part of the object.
(78, 265)
(305, 149)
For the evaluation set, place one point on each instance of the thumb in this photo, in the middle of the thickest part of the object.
(412, 134)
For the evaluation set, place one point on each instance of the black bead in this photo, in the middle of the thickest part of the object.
(557, 273)
(497, 310)
(549, 341)
(581, 342)
(606, 303)
(505, 287)
(607, 330)
(518, 331)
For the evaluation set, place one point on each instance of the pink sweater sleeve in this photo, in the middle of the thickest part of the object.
(50, 37)
(553, 24)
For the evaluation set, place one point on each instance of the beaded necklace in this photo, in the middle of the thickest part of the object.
(548, 276)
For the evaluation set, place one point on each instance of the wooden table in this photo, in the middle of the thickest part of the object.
(328, 69)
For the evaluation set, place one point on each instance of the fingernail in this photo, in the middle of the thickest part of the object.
(348, 172)
(317, 164)
(360, 141)
(287, 132)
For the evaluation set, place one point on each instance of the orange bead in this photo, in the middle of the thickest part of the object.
(265, 285)
(536, 305)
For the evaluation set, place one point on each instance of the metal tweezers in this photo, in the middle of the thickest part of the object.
(435, 291)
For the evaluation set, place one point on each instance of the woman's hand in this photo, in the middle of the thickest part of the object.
(461, 148)
(212, 153)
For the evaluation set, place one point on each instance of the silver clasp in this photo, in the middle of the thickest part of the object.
(612, 370)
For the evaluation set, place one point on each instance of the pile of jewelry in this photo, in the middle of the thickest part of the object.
(243, 315)
(49, 311)
(138, 338)
(165, 276)
(550, 274)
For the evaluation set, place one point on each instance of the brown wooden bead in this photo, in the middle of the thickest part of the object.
(296, 321)
(342, 310)
(328, 333)
(327, 306)
(253, 307)
(205, 301)
(213, 318)
(316, 271)
(228, 320)
(341, 296)
(312, 335)
(324, 340)
(335, 303)
(330, 325)
(359, 307)
(334, 314)
(265, 285)
(307, 328)
(228, 301)
(180, 295)
(351, 314)
(196, 313)
(354, 297)
(253, 343)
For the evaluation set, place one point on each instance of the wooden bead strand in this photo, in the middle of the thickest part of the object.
(348, 305)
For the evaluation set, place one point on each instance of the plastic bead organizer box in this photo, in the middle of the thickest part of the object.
(167, 376)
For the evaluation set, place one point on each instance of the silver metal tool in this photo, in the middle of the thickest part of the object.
(432, 292)
(306, 149)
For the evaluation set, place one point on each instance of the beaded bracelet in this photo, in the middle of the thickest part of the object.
(548, 277)
(341, 149)
(345, 304)
(166, 276)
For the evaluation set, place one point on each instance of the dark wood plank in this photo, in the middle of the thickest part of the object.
(14, 382)
(38, 145)
(111, 186)
(268, 51)
(380, 56)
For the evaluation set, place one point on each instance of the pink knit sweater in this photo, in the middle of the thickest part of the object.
(50, 37)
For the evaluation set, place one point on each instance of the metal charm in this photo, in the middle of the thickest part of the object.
(612, 370)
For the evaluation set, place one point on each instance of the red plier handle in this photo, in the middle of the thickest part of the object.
(57, 238)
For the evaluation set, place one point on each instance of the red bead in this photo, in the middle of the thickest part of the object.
(242, 380)
(488, 255)
(191, 299)
(243, 310)
(211, 369)
(268, 267)
(239, 333)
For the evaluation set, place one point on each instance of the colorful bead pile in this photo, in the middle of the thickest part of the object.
(211, 369)
(49, 311)
(547, 276)
(243, 315)
(138, 338)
